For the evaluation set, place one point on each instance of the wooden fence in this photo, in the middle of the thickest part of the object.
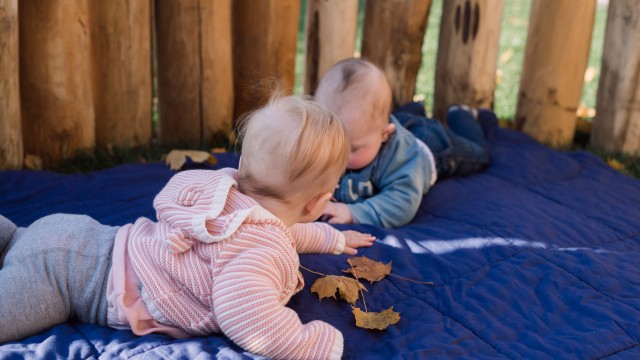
(75, 74)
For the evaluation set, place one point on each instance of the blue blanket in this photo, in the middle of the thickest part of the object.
(536, 257)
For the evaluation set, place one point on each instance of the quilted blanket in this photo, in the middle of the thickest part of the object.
(535, 257)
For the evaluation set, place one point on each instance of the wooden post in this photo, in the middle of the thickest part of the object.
(617, 123)
(330, 35)
(392, 38)
(264, 49)
(55, 78)
(11, 150)
(467, 54)
(555, 60)
(195, 85)
(121, 43)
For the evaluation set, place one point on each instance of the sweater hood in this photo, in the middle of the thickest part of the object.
(206, 207)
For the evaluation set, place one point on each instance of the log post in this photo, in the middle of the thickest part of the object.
(195, 83)
(555, 60)
(392, 38)
(217, 71)
(55, 78)
(330, 35)
(11, 150)
(467, 54)
(616, 126)
(264, 49)
(121, 44)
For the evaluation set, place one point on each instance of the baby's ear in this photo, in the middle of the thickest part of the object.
(317, 201)
(388, 131)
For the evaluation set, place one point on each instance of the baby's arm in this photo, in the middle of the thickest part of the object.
(250, 310)
(322, 238)
(402, 181)
(395, 205)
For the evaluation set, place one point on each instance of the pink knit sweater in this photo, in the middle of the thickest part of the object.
(216, 261)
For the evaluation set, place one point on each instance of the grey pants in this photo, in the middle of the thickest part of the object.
(53, 271)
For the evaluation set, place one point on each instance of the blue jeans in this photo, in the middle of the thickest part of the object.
(459, 149)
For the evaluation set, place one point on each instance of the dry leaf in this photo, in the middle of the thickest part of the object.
(375, 320)
(326, 287)
(368, 269)
(418, 98)
(176, 158)
(506, 56)
(499, 76)
(32, 162)
(585, 112)
(615, 164)
(590, 74)
(517, 21)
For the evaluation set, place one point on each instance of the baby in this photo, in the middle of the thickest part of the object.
(389, 169)
(221, 258)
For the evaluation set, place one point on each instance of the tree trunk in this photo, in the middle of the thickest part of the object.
(330, 37)
(121, 44)
(392, 38)
(555, 60)
(264, 49)
(194, 71)
(55, 78)
(467, 54)
(11, 151)
(617, 123)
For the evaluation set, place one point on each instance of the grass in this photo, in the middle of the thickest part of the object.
(511, 50)
(98, 159)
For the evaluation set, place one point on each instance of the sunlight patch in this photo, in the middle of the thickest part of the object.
(391, 241)
(447, 246)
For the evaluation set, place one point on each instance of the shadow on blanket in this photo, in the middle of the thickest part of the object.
(536, 257)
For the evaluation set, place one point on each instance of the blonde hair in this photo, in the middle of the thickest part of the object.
(291, 146)
(355, 78)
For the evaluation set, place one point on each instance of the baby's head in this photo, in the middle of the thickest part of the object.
(293, 150)
(359, 94)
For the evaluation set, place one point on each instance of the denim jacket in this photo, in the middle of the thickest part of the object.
(388, 191)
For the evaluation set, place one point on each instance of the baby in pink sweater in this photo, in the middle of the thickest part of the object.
(221, 258)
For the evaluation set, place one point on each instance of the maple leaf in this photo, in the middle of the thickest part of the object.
(368, 269)
(375, 320)
(347, 287)
(176, 158)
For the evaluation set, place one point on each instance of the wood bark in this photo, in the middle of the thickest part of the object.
(55, 78)
(121, 43)
(616, 126)
(264, 50)
(392, 38)
(194, 71)
(330, 35)
(467, 54)
(11, 148)
(555, 60)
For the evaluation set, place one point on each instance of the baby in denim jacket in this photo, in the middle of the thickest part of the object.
(395, 158)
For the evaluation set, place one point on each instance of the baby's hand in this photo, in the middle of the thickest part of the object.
(337, 213)
(355, 240)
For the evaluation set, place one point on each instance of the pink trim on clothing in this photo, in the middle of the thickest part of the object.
(126, 308)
